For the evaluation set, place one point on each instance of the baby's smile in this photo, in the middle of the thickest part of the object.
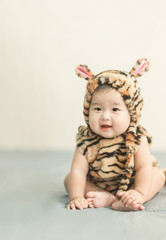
(105, 127)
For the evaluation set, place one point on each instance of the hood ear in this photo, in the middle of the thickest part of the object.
(141, 66)
(84, 72)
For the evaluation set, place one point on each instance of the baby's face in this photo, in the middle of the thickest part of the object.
(108, 114)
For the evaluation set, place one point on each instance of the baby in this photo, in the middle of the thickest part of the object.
(112, 165)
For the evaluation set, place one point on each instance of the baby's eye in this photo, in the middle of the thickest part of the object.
(97, 109)
(115, 109)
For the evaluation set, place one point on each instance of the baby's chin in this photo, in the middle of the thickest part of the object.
(109, 135)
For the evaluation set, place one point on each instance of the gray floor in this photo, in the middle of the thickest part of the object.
(33, 204)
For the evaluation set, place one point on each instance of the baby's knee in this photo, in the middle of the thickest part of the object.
(66, 180)
(163, 179)
(160, 176)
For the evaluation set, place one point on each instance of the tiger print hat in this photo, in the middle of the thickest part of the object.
(124, 82)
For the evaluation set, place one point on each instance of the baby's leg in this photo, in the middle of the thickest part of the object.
(100, 199)
(96, 196)
(158, 181)
(89, 185)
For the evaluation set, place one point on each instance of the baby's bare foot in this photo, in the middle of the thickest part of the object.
(100, 199)
(118, 206)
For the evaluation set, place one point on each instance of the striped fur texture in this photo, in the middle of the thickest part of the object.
(111, 161)
(111, 165)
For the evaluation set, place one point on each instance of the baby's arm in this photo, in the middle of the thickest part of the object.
(143, 177)
(77, 181)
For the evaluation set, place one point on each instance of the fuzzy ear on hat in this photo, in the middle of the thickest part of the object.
(141, 66)
(83, 71)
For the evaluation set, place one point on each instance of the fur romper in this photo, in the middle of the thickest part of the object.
(111, 160)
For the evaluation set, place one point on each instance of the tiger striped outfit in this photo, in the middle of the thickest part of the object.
(111, 161)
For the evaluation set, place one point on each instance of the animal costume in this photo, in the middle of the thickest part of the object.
(111, 160)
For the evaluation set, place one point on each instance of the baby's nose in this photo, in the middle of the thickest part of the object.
(106, 116)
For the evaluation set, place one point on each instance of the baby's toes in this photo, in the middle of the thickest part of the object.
(91, 195)
(91, 204)
(89, 200)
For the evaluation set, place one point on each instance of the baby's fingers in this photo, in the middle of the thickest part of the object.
(125, 197)
(129, 201)
(84, 203)
(71, 206)
(141, 207)
(120, 194)
(78, 205)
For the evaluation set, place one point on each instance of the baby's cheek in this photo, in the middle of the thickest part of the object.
(93, 124)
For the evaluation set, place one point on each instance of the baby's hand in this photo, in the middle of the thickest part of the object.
(79, 202)
(132, 198)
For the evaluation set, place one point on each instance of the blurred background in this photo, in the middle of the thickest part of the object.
(41, 43)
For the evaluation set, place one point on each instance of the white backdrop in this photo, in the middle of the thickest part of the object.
(41, 43)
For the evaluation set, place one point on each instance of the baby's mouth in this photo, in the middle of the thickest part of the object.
(105, 126)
